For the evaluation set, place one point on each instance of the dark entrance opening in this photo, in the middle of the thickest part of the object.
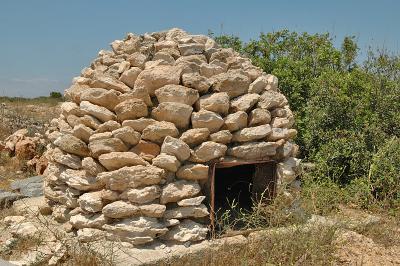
(233, 185)
(240, 185)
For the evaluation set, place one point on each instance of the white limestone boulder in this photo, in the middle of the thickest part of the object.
(196, 81)
(231, 82)
(107, 82)
(215, 102)
(271, 99)
(187, 212)
(223, 137)
(195, 136)
(137, 59)
(186, 231)
(82, 132)
(131, 177)
(251, 133)
(191, 48)
(136, 93)
(282, 133)
(136, 230)
(120, 209)
(235, 121)
(70, 160)
(70, 108)
(92, 166)
(99, 112)
(258, 85)
(86, 235)
(196, 201)
(108, 126)
(157, 77)
(91, 201)
(100, 136)
(179, 190)
(101, 146)
(129, 76)
(253, 150)
(193, 172)
(177, 113)
(127, 134)
(139, 124)
(115, 160)
(82, 220)
(152, 210)
(101, 97)
(207, 119)
(143, 195)
(158, 131)
(244, 102)
(72, 144)
(80, 180)
(147, 150)
(131, 109)
(208, 151)
(259, 116)
(177, 94)
(176, 147)
(167, 162)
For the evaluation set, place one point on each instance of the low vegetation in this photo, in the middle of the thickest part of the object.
(347, 115)
(31, 113)
(280, 248)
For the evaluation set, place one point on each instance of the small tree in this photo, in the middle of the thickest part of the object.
(55, 94)
(349, 52)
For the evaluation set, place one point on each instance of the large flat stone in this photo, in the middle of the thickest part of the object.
(29, 187)
(132, 177)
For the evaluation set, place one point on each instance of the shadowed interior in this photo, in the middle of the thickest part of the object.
(233, 184)
(237, 188)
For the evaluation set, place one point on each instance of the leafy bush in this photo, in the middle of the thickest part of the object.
(345, 110)
(55, 94)
(342, 158)
(385, 172)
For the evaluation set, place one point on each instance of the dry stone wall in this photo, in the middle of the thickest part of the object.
(141, 126)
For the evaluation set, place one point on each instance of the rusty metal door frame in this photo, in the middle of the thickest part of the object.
(215, 165)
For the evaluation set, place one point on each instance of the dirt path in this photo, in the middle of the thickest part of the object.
(356, 249)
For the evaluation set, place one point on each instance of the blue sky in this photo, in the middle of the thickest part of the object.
(45, 43)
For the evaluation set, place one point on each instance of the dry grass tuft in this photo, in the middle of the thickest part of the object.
(264, 214)
(7, 212)
(13, 168)
(83, 255)
(386, 232)
(290, 247)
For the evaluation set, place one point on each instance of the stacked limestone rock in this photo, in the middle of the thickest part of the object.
(133, 145)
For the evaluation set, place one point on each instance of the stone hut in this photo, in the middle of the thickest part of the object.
(159, 132)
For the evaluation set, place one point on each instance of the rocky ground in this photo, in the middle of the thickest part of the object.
(23, 123)
(31, 114)
(30, 237)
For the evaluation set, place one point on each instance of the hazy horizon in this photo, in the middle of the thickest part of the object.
(46, 43)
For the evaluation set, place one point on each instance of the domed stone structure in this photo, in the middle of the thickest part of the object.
(148, 141)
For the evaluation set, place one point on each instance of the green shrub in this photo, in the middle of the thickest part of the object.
(345, 111)
(321, 196)
(342, 158)
(358, 193)
(55, 94)
(385, 172)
